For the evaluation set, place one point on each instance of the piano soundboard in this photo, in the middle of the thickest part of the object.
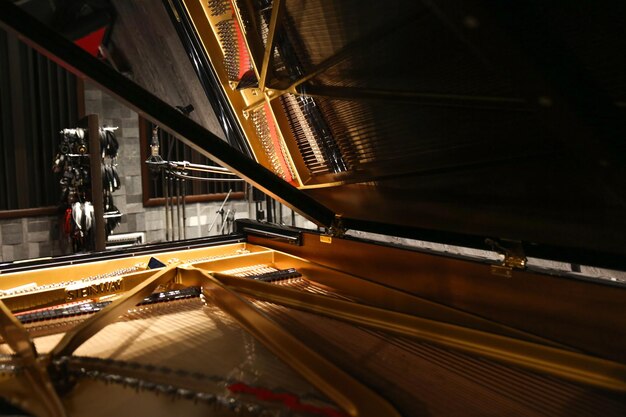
(244, 330)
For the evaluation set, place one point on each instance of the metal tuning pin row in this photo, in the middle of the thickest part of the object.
(214, 257)
(219, 7)
(314, 134)
(226, 32)
(278, 275)
(264, 273)
(7, 369)
(305, 136)
(249, 270)
(89, 307)
(124, 373)
(33, 287)
(260, 120)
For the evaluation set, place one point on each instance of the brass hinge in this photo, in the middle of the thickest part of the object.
(513, 257)
(337, 228)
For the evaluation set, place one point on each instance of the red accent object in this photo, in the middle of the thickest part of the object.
(91, 42)
(67, 225)
(290, 401)
(244, 57)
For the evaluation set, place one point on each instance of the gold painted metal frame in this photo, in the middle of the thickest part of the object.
(550, 360)
(353, 397)
(231, 294)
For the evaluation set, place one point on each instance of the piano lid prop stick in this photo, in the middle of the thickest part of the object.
(167, 217)
(178, 210)
(220, 211)
(184, 192)
(170, 190)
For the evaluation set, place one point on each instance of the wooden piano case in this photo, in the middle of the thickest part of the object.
(469, 144)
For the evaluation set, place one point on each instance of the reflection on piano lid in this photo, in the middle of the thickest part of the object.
(272, 334)
(433, 120)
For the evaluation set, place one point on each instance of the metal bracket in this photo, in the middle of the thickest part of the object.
(337, 228)
(514, 257)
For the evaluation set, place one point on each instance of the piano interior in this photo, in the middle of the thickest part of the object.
(244, 329)
(279, 322)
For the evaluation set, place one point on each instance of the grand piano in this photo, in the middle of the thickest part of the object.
(483, 141)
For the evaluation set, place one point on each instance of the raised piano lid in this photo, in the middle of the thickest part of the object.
(440, 121)
(445, 123)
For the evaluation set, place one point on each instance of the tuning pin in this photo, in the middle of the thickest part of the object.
(147, 385)
(205, 398)
(112, 379)
(252, 410)
(132, 383)
(185, 394)
(227, 403)
(166, 389)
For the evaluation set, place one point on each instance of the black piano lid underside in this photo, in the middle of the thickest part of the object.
(79, 62)
(463, 120)
(504, 121)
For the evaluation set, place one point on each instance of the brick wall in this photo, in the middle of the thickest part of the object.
(29, 237)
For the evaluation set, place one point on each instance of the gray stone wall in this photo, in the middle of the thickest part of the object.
(35, 237)
(129, 198)
(29, 237)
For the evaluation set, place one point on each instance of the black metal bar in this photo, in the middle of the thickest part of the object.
(178, 208)
(270, 231)
(164, 181)
(75, 259)
(149, 106)
(170, 191)
(95, 166)
(419, 99)
(184, 194)
(208, 79)
(268, 209)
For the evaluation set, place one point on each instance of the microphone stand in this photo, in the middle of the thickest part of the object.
(220, 211)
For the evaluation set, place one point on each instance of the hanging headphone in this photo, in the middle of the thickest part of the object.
(109, 145)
